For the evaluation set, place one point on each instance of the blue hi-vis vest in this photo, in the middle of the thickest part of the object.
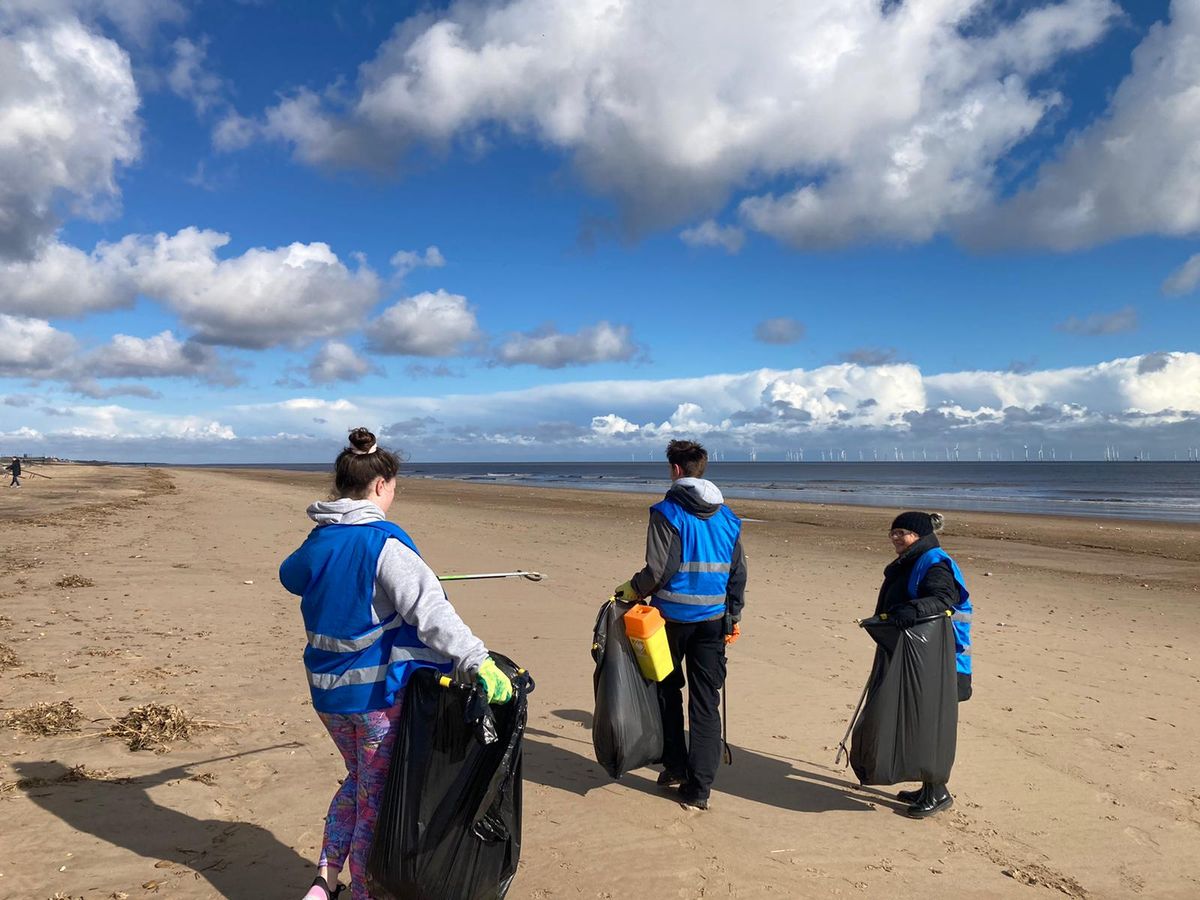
(355, 663)
(696, 593)
(961, 617)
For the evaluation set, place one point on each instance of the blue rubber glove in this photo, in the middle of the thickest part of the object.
(495, 682)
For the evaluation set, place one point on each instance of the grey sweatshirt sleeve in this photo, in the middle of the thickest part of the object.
(664, 552)
(735, 593)
(404, 580)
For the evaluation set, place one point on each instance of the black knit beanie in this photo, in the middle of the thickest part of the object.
(918, 523)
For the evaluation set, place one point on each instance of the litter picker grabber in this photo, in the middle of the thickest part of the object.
(529, 576)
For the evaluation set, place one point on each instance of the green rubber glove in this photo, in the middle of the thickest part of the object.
(495, 682)
(626, 592)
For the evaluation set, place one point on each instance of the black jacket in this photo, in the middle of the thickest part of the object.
(937, 592)
(664, 549)
(15, 468)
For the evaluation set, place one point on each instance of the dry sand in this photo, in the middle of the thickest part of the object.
(1078, 773)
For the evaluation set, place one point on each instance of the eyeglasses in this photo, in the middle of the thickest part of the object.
(899, 533)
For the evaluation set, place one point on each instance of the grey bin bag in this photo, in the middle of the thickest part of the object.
(908, 728)
(627, 730)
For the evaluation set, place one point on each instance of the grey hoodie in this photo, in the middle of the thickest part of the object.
(664, 549)
(406, 585)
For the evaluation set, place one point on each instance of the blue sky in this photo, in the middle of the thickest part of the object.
(530, 229)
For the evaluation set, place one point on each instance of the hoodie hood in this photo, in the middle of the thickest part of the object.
(698, 496)
(344, 511)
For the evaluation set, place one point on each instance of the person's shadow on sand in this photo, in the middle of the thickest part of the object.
(240, 860)
(771, 780)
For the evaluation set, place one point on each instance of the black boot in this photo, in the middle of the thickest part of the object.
(934, 798)
(910, 797)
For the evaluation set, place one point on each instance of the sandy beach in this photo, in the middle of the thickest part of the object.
(1077, 772)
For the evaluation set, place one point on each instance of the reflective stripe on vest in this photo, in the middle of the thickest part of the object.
(354, 663)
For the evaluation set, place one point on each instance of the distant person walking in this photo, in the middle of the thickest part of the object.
(695, 574)
(15, 468)
(374, 612)
(924, 581)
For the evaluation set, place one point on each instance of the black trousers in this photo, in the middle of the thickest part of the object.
(701, 645)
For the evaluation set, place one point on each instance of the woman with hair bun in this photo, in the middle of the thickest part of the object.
(374, 612)
(924, 581)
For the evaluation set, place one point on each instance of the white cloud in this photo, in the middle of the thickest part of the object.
(1136, 170)
(427, 324)
(135, 19)
(30, 348)
(1184, 279)
(549, 348)
(160, 356)
(68, 122)
(1120, 322)
(1151, 400)
(65, 281)
(779, 330)
(888, 123)
(262, 298)
(234, 132)
(336, 361)
(709, 234)
(404, 261)
(189, 78)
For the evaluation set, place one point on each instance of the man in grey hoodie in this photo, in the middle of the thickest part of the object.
(695, 575)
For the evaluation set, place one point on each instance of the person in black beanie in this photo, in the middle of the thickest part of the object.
(938, 587)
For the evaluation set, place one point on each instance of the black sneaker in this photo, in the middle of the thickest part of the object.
(669, 780)
(690, 801)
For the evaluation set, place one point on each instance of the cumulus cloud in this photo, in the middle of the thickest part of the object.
(886, 120)
(160, 356)
(869, 356)
(68, 123)
(709, 234)
(337, 361)
(404, 261)
(780, 330)
(1120, 322)
(1184, 279)
(427, 324)
(260, 298)
(190, 78)
(134, 19)
(1152, 401)
(64, 281)
(31, 348)
(549, 348)
(1135, 171)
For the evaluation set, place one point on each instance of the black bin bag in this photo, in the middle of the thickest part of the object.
(908, 727)
(450, 820)
(627, 730)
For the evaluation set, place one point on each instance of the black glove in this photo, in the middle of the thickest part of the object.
(904, 616)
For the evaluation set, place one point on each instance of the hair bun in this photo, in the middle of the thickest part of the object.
(362, 440)
(938, 521)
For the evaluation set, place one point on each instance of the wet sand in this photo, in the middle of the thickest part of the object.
(1077, 773)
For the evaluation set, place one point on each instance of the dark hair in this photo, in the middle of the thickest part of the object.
(689, 456)
(358, 466)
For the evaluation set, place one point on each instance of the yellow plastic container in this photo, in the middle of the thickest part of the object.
(647, 633)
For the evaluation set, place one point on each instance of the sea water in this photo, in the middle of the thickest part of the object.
(1166, 491)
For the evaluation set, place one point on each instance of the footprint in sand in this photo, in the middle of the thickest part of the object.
(1140, 837)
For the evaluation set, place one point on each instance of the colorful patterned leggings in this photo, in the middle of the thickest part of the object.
(365, 741)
